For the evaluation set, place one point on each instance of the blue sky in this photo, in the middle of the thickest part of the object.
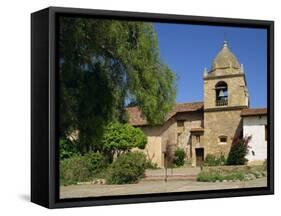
(187, 49)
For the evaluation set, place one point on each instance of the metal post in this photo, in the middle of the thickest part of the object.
(165, 165)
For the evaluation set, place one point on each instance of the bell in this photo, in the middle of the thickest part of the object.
(221, 94)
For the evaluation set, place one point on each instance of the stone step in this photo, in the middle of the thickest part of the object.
(170, 177)
(173, 172)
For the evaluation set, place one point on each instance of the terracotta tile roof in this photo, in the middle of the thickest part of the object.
(254, 112)
(138, 119)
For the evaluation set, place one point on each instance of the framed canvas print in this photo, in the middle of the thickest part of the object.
(138, 107)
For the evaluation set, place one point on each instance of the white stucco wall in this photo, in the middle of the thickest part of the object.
(255, 126)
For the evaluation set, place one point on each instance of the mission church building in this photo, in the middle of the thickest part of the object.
(208, 127)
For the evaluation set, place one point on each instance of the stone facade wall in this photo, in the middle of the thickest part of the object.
(165, 138)
(237, 91)
(191, 120)
(223, 71)
(221, 123)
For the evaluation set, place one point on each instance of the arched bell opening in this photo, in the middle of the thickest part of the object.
(221, 94)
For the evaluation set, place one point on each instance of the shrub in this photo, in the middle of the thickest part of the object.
(213, 175)
(151, 165)
(119, 138)
(179, 157)
(97, 163)
(212, 160)
(67, 149)
(82, 168)
(221, 160)
(74, 169)
(238, 151)
(126, 169)
(207, 177)
(242, 173)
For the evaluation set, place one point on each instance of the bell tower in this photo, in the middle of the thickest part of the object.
(225, 84)
(225, 95)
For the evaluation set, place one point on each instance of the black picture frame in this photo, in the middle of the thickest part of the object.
(44, 106)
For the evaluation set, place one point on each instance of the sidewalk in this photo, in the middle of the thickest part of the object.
(147, 187)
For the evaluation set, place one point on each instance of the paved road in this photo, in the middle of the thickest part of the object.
(145, 187)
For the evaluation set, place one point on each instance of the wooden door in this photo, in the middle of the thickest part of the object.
(199, 156)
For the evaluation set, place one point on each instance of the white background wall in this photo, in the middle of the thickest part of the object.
(255, 126)
(15, 107)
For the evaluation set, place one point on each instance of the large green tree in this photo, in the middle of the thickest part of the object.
(105, 65)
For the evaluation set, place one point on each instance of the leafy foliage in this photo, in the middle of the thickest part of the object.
(179, 157)
(126, 169)
(104, 65)
(238, 151)
(82, 168)
(74, 169)
(119, 138)
(212, 176)
(67, 149)
(242, 173)
(96, 163)
(212, 160)
(151, 165)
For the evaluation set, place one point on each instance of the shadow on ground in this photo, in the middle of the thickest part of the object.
(25, 197)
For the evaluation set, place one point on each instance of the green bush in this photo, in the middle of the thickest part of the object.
(82, 168)
(242, 173)
(179, 157)
(151, 165)
(97, 163)
(67, 148)
(212, 160)
(238, 151)
(120, 138)
(74, 169)
(126, 169)
(222, 160)
(218, 175)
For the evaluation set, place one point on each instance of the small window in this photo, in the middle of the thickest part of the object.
(265, 132)
(222, 139)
